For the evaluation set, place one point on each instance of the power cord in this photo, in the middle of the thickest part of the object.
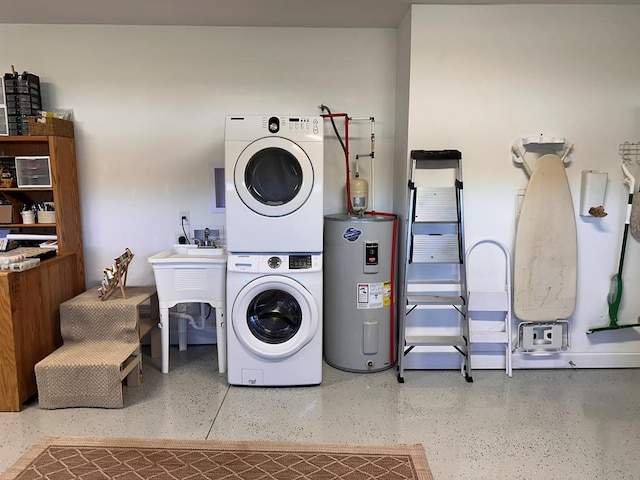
(186, 235)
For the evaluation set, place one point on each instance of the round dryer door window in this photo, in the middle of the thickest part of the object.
(273, 176)
(274, 316)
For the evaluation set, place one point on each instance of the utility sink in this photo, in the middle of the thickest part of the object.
(188, 274)
(189, 254)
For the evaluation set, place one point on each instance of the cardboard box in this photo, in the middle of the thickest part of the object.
(6, 213)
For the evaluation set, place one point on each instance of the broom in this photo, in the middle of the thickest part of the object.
(615, 292)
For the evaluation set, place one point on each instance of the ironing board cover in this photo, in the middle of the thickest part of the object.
(545, 261)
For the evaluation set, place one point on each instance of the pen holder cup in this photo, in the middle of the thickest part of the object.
(28, 216)
(46, 216)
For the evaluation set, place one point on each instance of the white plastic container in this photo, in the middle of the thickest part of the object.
(33, 171)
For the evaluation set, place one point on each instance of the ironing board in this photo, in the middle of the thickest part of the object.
(545, 260)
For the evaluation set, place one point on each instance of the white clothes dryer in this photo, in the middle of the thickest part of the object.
(273, 183)
(274, 315)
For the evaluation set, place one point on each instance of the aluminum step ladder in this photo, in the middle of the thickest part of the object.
(489, 308)
(434, 293)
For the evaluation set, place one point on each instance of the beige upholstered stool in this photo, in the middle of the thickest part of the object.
(101, 349)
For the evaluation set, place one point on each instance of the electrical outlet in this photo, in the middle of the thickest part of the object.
(184, 218)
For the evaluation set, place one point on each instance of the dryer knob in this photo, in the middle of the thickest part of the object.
(274, 262)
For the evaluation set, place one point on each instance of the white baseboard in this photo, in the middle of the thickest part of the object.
(446, 361)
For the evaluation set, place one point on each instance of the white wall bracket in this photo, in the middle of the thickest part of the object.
(539, 145)
(543, 338)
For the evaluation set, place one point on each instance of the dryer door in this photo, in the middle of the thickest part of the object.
(273, 176)
(274, 316)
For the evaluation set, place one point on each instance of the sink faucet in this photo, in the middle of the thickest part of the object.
(207, 242)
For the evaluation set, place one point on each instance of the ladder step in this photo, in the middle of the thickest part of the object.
(436, 204)
(489, 337)
(435, 249)
(488, 302)
(434, 300)
(435, 340)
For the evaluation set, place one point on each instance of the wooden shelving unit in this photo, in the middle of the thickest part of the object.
(63, 192)
(30, 300)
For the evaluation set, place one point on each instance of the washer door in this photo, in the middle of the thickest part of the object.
(274, 316)
(273, 176)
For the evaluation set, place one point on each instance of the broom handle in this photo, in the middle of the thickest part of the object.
(630, 181)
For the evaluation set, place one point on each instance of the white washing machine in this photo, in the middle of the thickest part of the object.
(274, 319)
(273, 183)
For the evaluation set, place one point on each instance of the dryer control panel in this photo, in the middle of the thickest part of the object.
(303, 128)
(278, 263)
(292, 127)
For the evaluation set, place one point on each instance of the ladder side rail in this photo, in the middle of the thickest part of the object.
(508, 318)
(463, 270)
(411, 198)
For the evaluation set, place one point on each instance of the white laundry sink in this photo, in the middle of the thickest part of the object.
(189, 254)
(188, 274)
(185, 273)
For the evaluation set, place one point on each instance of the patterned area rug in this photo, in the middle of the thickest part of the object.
(67, 458)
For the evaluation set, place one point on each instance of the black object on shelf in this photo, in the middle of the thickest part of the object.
(23, 100)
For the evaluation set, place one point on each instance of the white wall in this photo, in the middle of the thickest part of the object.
(150, 104)
(482, 76)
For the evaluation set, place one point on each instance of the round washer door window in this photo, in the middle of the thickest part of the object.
(273, 176)
(274, 317)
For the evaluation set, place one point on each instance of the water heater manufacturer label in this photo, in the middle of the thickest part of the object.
(373, 295)
(352, 234)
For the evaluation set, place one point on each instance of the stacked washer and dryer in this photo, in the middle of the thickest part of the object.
(274, 215)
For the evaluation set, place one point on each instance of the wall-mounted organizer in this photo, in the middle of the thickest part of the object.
(545, 251)
(630, 151)
(592, 193)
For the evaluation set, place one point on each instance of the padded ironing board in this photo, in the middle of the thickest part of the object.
(545, 261)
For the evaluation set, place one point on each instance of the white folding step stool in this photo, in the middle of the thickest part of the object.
(490, 304)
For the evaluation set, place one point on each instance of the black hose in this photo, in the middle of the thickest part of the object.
(335, 129)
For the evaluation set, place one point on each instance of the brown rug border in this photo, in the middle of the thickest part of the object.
(416, 450)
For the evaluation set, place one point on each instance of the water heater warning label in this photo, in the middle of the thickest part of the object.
(374, 295)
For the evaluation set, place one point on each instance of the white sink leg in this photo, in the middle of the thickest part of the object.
(164, 328)
(221, 338)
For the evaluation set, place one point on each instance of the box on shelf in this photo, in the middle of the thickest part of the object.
(7, 171)
(33, 171)
(6, 213)
(50, 126)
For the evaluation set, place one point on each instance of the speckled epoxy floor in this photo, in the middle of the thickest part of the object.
(544, 424)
